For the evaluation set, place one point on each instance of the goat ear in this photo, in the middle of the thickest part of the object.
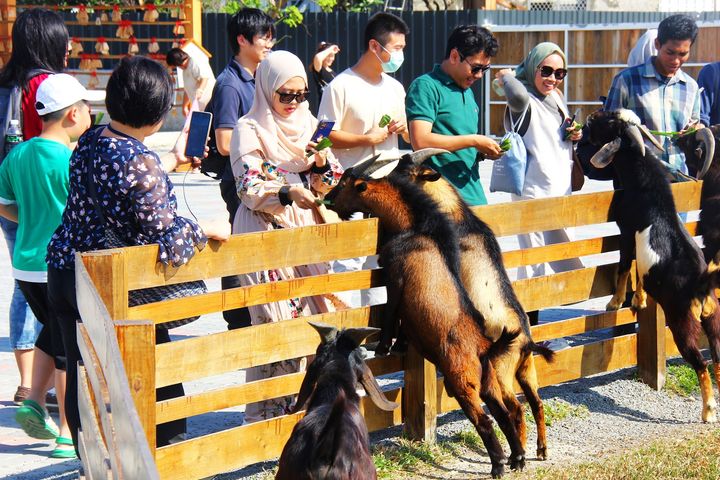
(357, 335)
(635, 135)
(327, 332)
(606, 154)
(306, 390)
(646, 133)
(705, 136)
(372, 388)
(361, 186)
(427, 174)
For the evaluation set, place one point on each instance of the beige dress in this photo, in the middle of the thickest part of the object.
(258, 181)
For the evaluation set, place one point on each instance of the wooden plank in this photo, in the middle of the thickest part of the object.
(221, 398)
(571, 210)
(279, 248)
(199, 357)
(95, 457)
(240, 446)
(137, 350)
(651, 345)
(107, 270)
(566, 287)
(574, 326)
(255, 295)
(420, 407)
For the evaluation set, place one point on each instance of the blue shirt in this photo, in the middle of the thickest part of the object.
(137, 201)
(662, 103)
(232, 98)
(709, 79)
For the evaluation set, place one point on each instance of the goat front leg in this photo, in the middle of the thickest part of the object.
(639, 300)
(389, 316)
(627, 250)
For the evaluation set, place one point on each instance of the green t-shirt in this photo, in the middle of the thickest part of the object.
(35, 175)
(436, 98)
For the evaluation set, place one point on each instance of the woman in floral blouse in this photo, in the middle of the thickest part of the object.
(136, 201)
(278, 174)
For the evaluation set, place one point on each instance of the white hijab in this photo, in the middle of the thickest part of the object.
(281, 140)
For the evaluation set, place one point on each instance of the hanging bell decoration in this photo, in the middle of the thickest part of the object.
(116, 15)
(133, 48)
(151, 13)
(153, 46)
(101, 46)
(82, 16)
(93, 81)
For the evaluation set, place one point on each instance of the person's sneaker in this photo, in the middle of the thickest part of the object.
(21, 394)
(36, 421)
(51, 402)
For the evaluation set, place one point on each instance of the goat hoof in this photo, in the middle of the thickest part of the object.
(542, 453)
(613, 305)
(638, 303)
(497, 470)
(382, 350)
(517, 463)
(709, 415)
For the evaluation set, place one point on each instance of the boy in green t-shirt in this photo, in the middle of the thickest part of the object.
(33, 190)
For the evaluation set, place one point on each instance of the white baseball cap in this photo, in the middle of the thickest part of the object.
(61, 90)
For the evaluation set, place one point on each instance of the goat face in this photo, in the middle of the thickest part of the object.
(335, 350)
(699, 148)
(615, 129)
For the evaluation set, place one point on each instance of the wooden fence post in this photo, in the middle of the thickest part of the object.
(420, 405)
(193, 12)
(136, 339)
(651, 345)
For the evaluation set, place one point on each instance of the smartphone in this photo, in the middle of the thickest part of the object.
(323, 130)
(198, 134)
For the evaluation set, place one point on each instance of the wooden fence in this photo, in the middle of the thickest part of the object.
(123, 367)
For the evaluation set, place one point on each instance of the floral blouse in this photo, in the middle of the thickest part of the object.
(136, 197)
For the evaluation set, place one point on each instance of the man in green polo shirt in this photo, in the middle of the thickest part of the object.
(442, 112)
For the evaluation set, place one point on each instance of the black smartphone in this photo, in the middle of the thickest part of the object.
(323, 130)
(198, 134)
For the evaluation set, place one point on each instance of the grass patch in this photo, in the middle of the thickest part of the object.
(406, 456)
(694, 456)
(682, 380)
(557, 410)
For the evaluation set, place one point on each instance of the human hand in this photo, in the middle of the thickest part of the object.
(199, 93)
(574, 132)
(186, 108)
(488, 147)
(377, 135)
(216, 229)
(397, 126)
(320, 155)
(500, 73)
(335, 49)
(302, 197)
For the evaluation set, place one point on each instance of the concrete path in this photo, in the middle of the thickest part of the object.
(24, 458)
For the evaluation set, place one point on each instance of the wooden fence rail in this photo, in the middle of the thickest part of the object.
(123, 366)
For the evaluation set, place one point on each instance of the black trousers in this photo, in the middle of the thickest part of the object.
(239, 317)
(49, 339)
(61, 294)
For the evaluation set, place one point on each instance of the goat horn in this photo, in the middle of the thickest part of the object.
(605, 155)
(359, 334)
(377, 166)
(644, 130)
(327, 332)
(373, 390)
(360, 168)
(635, 135)
(419, 156)
(705, 136)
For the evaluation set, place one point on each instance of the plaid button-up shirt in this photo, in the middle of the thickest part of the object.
(665, 104)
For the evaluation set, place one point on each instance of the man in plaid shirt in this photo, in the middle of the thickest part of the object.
(663, 96)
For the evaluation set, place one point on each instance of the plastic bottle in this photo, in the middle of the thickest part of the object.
(13, 135)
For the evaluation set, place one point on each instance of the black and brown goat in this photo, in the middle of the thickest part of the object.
(670, 266)
(486, 281)
(702, 156)
(331, 441)
(420, 259)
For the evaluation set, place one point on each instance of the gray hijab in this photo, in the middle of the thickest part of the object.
(525, 72)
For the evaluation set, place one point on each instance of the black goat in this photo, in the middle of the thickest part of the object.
(701, 149)
(331, 441)
(670, 266)
(485, 279)
(420, 259)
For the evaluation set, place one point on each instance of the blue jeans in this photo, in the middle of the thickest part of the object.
(24, 327)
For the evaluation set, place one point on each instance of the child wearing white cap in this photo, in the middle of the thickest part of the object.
(34, 182)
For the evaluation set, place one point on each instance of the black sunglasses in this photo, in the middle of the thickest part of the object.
(289, 97)
(546, 71)
(475, 69)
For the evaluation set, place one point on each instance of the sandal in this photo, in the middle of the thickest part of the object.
(35, 421)
(64, 448)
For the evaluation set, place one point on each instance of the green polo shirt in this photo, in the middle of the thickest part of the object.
(436, 98)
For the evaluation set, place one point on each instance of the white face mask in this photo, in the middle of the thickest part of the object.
(396, 60)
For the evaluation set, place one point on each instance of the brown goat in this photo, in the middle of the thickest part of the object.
(420, 261)
(485, 279)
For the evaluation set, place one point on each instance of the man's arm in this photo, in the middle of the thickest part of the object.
(9, 211)
(222, 140)
(342, 139)
(421, 136)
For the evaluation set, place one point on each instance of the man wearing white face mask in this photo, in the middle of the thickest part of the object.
(358, 98)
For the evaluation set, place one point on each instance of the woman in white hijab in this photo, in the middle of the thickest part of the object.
(277, 183)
